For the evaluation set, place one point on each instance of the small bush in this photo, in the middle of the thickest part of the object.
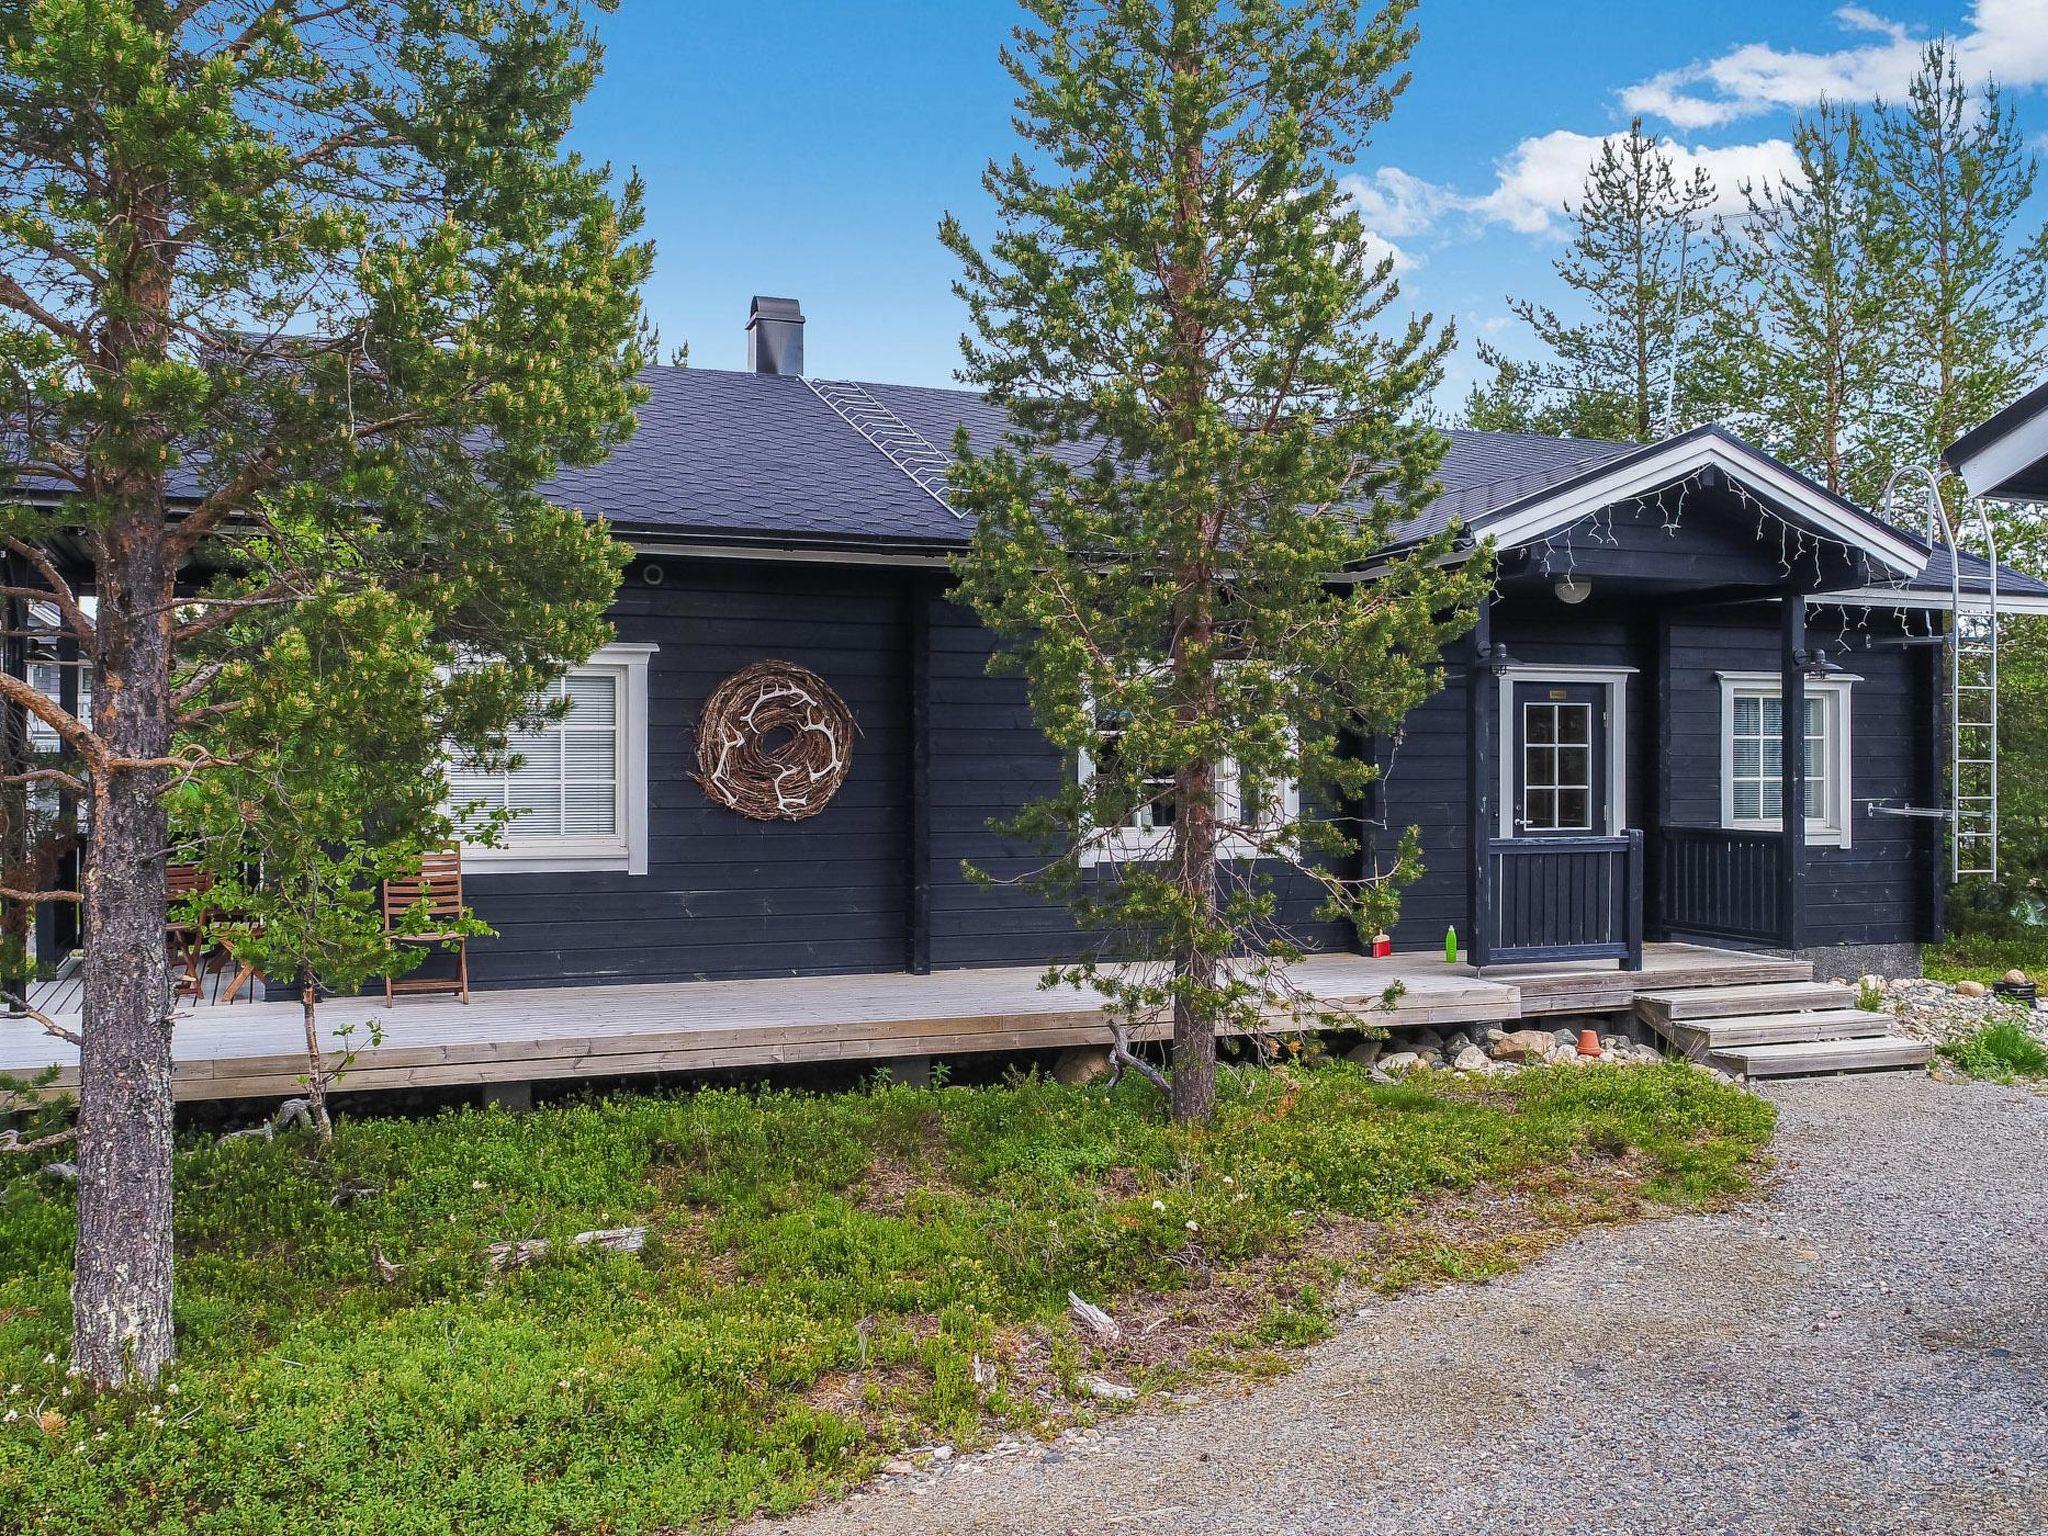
(2001, 1051)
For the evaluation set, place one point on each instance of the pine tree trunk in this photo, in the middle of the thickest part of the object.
(121, 1288)
(1194, 1028)
(316, 1064)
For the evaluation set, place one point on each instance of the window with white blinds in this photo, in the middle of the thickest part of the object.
(578, 793)
(566, 784)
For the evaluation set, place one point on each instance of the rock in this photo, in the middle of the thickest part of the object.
(897, 1468)
(1457, 1045)
(1472, 1059)
(1366, 1053)
(1400, 1064)
(1426, 1039)
(1081, 1064)
(1564, 1055)
(613, 1239)
(2016, 976)
(1492, 1035)
(942, 1453)
(1649, 1055)
(1109, 1391)
(1971, 989)
(1524, 1045)
(1568, 1037)
(65, 1171)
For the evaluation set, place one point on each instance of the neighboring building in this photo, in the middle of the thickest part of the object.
(1613, 730)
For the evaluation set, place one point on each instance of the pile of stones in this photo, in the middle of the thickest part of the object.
(1937, 1012)
(1494, 1051)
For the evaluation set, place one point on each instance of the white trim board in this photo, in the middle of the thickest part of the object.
(1937, 602)
(2013, 450)
(1547, 511)
(1615, 681)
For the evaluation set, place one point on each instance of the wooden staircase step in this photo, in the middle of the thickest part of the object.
(1810, 1057)
(1705, 1035)
(1666, 1005)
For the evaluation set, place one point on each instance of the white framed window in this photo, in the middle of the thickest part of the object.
(1752, 755)
(579, 792)
(1148, 832)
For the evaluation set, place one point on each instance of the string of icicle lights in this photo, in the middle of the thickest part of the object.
(1795, 545)
(1556, 555)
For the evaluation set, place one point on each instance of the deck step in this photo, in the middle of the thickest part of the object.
(1812, 1057)
(1668, 1005)
(1701, 1036)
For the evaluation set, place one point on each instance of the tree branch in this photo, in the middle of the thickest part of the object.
(61, 591)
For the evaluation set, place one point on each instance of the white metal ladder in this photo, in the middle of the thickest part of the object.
(1972, 655)
(902, 444)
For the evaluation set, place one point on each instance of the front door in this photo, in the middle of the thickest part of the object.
(1560, 760)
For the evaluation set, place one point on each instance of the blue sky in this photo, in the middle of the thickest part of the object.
(809, 147)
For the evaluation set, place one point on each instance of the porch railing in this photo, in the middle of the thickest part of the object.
(1564, 898)
(1720, 884)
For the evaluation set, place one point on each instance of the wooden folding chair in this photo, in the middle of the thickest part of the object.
(186, 939)
(437, 885)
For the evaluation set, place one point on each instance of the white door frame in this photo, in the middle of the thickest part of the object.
(1615, 681)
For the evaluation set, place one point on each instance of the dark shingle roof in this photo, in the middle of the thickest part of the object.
(759, 458)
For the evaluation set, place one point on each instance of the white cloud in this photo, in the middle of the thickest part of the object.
(1392, 202)
(1540, 175)
(1378, 248)
(2005, 39)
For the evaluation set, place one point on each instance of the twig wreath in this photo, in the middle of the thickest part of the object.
(774, 742)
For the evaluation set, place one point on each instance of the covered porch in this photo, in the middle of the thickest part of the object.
(555, 1034)
(1648, 692)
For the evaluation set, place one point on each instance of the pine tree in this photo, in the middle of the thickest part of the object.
(290, 293)
(1948, 177)
(1210, 421)
(1639, 271)
(1800, 348)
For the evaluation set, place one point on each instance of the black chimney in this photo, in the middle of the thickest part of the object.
(775, 336)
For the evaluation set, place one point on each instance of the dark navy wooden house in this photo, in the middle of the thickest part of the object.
(1685, 638)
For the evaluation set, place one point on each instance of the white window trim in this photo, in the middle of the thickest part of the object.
(1831, 828)
(1615, 681)
(1135, 845)
(625, 852)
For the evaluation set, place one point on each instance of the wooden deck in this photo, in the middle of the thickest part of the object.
(257, 1050)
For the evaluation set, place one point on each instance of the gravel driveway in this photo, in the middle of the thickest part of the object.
(1864, 1351)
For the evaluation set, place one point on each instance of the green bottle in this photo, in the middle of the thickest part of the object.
(1451, 945)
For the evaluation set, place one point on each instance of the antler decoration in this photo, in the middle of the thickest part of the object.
(774, 743)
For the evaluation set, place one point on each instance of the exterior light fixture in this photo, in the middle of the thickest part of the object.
(1573, 590)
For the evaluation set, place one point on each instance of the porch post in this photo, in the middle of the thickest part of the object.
(1482, 776)
(1792, 770)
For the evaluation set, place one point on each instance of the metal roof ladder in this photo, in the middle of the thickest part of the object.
(901, 444)
(1971, 652)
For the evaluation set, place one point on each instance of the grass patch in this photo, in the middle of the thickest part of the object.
(1979, 957)
(2002, 1051)
(823, 1273)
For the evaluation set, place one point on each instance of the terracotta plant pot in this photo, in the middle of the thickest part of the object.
(1589, 1042)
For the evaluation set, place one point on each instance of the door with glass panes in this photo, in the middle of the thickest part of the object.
(1560, 760)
